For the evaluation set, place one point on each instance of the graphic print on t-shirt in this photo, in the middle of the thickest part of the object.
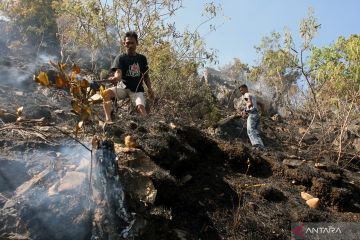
(134, 70)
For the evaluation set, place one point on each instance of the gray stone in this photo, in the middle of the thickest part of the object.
(293, 162)
(71, 181)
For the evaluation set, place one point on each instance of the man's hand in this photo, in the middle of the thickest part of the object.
(116, 78)
(113, 80)
(243, 114)
(151, 94)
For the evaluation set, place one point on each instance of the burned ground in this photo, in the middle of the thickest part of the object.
(209, 182)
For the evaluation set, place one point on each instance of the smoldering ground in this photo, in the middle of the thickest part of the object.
(49, 195)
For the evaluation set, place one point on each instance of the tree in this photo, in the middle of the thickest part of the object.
(236, 70)
(36, 21)
(92, 31)
(278, 67)
(337, 78)
(337, 74)
(98, 27)
(331, 74)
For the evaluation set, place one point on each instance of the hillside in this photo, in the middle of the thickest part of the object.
(180, 182)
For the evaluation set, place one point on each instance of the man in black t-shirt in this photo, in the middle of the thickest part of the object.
(132, 69)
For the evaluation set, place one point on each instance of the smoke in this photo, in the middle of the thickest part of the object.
(57, 201)
(9, 169)
(4, 18)
(16, 72)
(262, 89)
(55, 197)
(19, 60)
(53, 202)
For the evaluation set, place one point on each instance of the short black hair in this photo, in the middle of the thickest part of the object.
(243, 86)
(131, 34)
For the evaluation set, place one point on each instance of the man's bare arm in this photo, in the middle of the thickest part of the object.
(147, 80)
(117, 76)
(148, 84)
(249, 102)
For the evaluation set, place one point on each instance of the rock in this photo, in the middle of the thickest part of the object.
(231, 128)
(137, 173)
(181, 234)
(302, 130)
(139, 162)
(140, 188)
(84, 165)
(185, 179)
(306, 196)
(320, 165)
(96, 98)
(59, 111)
(37, 112)
(113, 130)
(276, 118)
(130, 141)
(293, 162)
(70, 167)
(71, 181)
(313, 203)
(53, 190)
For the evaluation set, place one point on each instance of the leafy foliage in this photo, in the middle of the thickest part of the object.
(337, 77)
(236, 70)
(278, 67)
(69, 79)
(35, 20)
(338, 68)
(331, 75)
(92, 31)
(99, 28)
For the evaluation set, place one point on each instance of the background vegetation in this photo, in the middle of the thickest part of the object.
(321, 84)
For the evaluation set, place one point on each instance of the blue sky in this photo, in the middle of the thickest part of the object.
(250, 20)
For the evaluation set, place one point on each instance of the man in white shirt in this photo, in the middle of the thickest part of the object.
(253, 119)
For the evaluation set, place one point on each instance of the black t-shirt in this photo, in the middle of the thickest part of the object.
(132, 68)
